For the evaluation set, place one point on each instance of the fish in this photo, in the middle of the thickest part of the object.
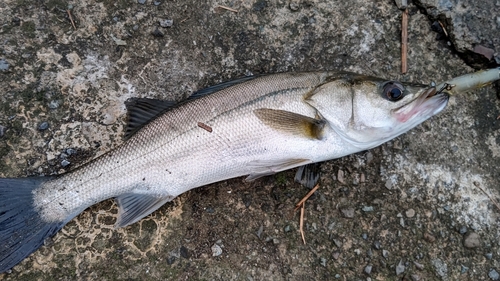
(254, 126)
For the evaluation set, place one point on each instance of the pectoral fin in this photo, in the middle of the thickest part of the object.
(134, 206)
(261, 168)
(291, 122)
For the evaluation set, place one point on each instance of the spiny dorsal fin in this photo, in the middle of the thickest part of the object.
(218, 87)
(291, 122)
(141, 111)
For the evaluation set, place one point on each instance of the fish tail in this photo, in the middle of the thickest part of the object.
(22, 230)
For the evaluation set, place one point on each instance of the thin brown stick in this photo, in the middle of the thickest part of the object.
(444, 29)
(301, 224)
(184, 20)
(71, 19)
(404, 41)
(205, 127)
(491, 198)
(227, 8)
(303, 200)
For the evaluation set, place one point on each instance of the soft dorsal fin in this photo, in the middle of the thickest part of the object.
(134, 206)
(291, 122)
(218, 87)
(141, 111)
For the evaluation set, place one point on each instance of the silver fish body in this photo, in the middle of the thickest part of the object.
(257, 127)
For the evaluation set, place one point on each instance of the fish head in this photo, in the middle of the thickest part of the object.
(368, 111)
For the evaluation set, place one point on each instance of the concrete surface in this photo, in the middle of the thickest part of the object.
(421, 212)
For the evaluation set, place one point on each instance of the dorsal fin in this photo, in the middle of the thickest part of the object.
(218, 87)
(141, 111)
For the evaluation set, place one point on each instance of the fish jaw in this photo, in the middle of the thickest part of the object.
(423, 107)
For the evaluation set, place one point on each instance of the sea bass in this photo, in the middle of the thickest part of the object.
(255, 126)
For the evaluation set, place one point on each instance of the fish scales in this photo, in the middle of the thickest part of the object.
(158, 159)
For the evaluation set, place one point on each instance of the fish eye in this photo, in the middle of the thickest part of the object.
(393, 91)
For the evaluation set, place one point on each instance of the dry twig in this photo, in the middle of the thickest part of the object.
(301, 223)
(205, 127)
(302, 206)
(227, 8)
(303, 200)
(71, 19)
(491, 198)
(444, 29)
(404, 41)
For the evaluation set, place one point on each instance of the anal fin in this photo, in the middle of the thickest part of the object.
(261, 168)
(134, 206)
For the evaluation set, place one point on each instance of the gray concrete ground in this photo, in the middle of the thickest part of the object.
(422, 211)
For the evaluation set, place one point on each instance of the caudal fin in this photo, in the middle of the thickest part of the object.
(22, 231)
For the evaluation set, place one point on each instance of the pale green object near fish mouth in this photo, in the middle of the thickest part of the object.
(470, 81)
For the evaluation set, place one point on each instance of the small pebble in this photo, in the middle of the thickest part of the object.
(336, 255)
(388, 184)
(415, 277)
(156, 3)
(418, 265)
(340, 176)
(216, 250)
(367, 209)
(385, 254)
(142, 2)
(376, 245)
(400, 268)
(170, 260)
(429, 238)
(2, 130)
(463, 229)
(323, 262)
(157, 33)
(489, 255)
(70, 151)
(493, 274)
(441, 267)
(368, 269)
(43, 126)
(4, 65)
(410, 213)
(184, 252)
(348, 212)
(364, 236)
(471, 240)
(464, 269)
(65, 163)
(54, 104)
(337, 276)
(166, 23)
(294, 6)
(288, 228)
(259, 231)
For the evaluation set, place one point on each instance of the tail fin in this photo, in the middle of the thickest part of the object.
(22, 231)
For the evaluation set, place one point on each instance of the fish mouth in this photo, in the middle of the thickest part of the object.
(427, 104)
